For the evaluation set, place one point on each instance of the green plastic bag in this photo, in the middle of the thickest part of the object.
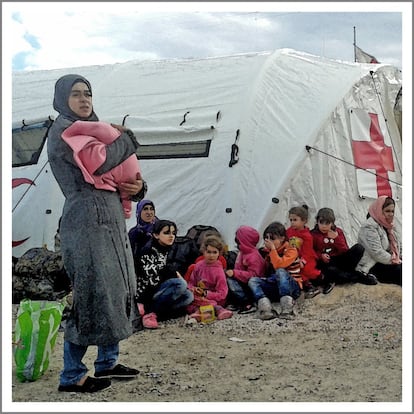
(36, 329)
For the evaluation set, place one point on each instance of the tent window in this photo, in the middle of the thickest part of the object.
(193, 149)
(28, 142)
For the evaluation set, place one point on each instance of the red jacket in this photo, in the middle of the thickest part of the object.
(249, 261)
(304, 241)
(324, 244)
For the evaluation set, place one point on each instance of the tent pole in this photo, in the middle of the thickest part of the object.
(354, 45)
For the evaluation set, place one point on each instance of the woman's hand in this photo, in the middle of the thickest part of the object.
(120, 128)
(132, 187)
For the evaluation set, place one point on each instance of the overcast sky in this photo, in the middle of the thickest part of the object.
(56, 35)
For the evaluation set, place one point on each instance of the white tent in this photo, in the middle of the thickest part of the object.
(294, 126)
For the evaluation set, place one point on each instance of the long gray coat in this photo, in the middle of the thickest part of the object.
(94, 240)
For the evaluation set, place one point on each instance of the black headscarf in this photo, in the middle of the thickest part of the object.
(63, 88)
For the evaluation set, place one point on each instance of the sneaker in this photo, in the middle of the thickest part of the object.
(224, 314)
(232, 307)
(118, 371)
(247, 309)
(312, 292)
(90, 385)
(328, 288)
(266, 311)
(286, 304)
(264, 305)
(150, 321)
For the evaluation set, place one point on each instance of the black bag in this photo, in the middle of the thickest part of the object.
(198, 231)
(182, 254)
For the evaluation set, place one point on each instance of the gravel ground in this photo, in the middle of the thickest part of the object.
(342, 347)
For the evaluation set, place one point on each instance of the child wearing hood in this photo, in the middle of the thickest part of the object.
(249, 263)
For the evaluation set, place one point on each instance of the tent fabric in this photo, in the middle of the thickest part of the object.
(279, 103)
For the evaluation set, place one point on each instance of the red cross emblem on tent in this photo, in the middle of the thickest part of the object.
(375, 155)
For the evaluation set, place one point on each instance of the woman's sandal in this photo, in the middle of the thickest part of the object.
(90, 385)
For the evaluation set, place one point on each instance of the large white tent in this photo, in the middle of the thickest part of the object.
(230, 140)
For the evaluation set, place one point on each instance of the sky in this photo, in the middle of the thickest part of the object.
(71, 34)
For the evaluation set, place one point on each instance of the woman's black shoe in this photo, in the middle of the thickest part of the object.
(367, 278)
(119, 371)
(90, 385)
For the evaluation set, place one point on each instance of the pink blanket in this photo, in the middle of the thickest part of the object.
(88, 140)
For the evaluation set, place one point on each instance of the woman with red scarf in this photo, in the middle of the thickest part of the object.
(382, 256)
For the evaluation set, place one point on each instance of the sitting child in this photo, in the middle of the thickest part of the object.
(336, 260)
(249, 263)
(208, 281)
(299, 235)
(282, 281)
(161, 292)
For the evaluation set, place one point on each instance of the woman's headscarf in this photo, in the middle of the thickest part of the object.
(375, 210)
(63, 88)
(141, 224)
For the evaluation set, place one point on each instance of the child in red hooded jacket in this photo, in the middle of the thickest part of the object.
(249, 263)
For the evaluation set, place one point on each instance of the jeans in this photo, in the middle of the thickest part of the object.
(73, 367)
(172, 295)
(279, 284)
(238, 292)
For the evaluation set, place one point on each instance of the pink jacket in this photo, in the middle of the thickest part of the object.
(81, 136)
(249, 261)
(213, 278)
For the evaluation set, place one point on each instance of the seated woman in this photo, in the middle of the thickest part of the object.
(382, 255)
(161, 292)
(140, 235)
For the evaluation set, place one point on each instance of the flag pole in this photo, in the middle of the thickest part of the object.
(354, 45)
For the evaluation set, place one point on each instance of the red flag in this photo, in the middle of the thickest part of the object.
(363, 57)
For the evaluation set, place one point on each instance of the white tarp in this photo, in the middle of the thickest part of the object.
(276, 104)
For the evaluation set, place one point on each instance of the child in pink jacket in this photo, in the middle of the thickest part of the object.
(249, 263)
(208, 281)
(82, 136)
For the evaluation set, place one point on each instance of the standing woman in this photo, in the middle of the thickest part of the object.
(382, 256)
(94, 243)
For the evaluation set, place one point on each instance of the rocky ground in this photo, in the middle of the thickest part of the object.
(341, 347)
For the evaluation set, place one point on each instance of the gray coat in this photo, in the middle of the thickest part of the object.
(374, 238)
(94, 240)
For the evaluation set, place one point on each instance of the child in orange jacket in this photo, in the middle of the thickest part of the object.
(283, 280)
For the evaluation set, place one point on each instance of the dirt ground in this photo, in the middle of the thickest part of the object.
(342, 347)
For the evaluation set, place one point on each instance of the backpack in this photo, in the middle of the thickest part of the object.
(198, 231)
(182, 254)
